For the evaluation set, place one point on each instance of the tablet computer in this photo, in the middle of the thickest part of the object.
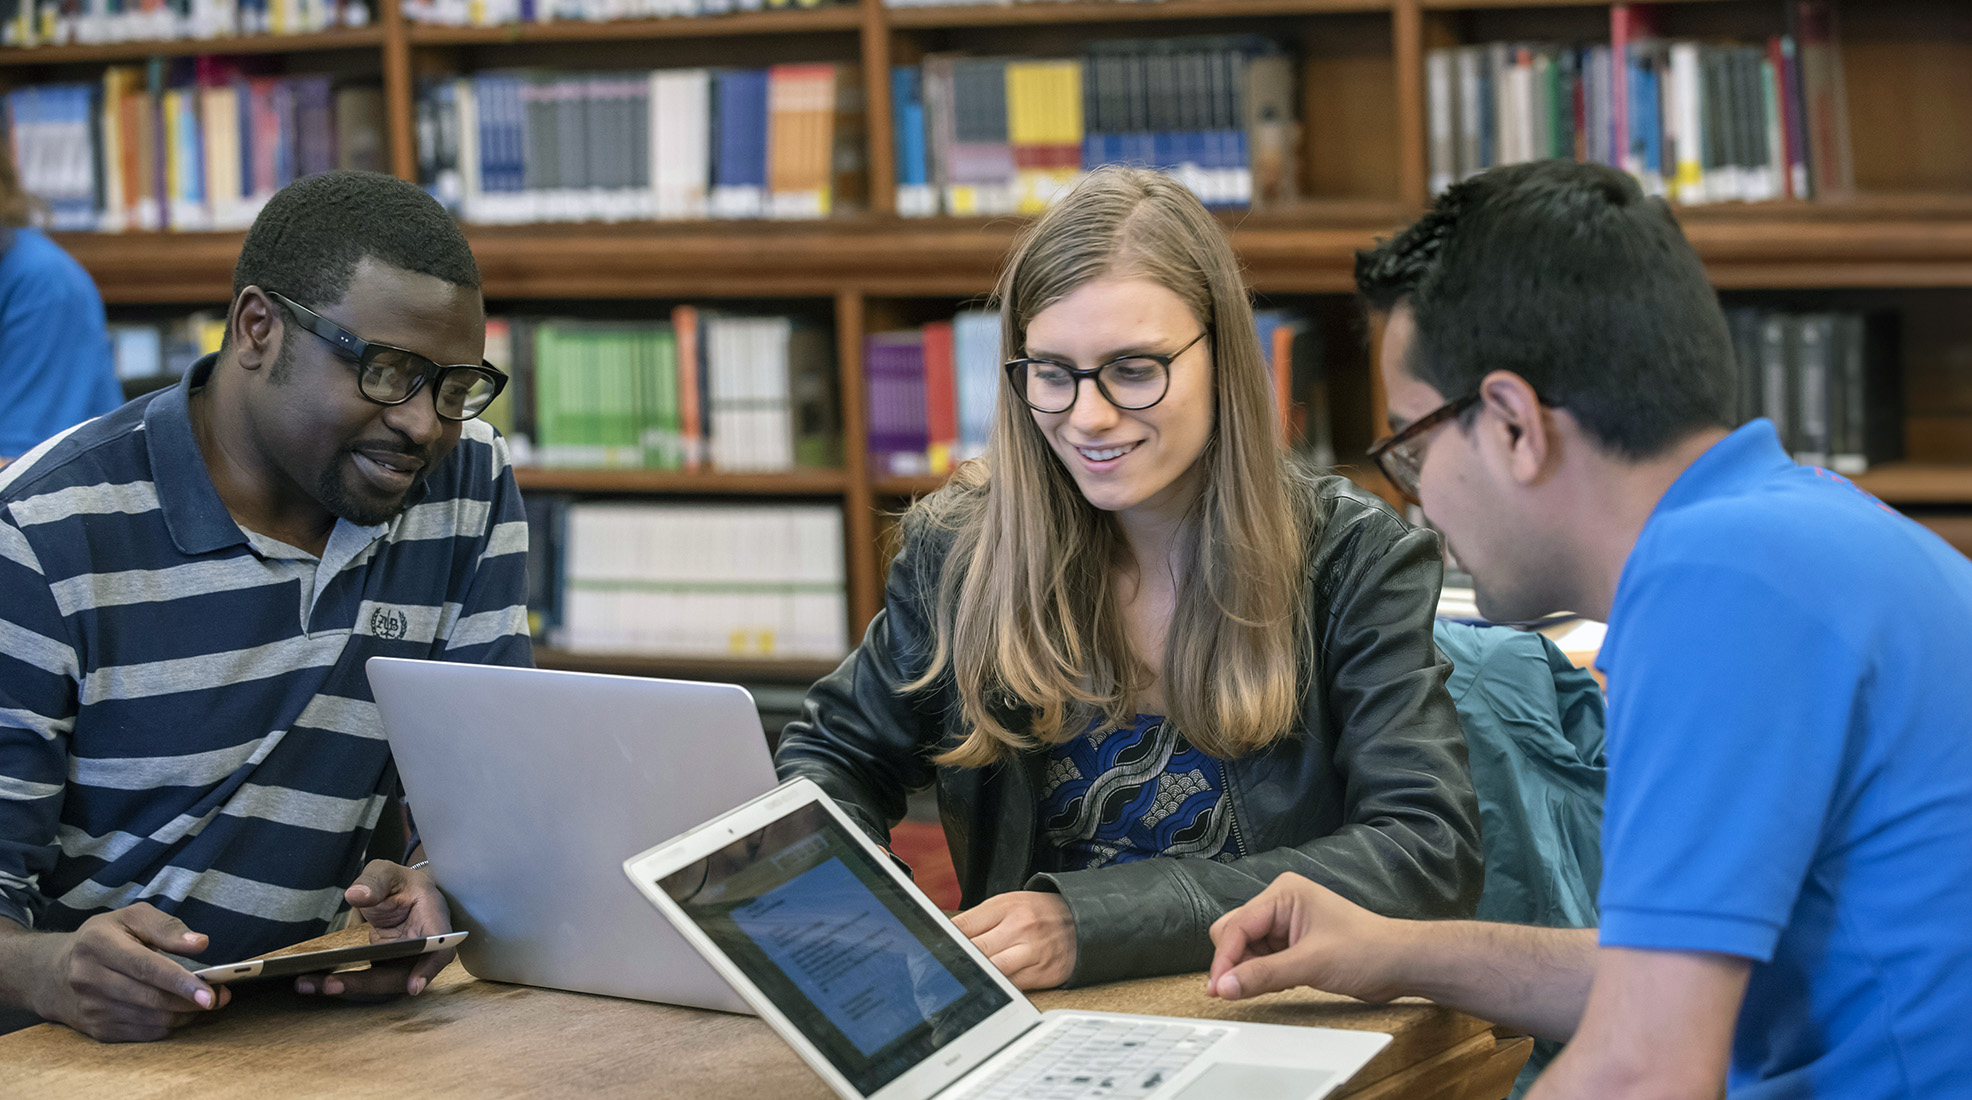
(317, 962)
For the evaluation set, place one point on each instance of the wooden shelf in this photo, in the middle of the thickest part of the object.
(1919, 483)
(363, 38)
(1462, 5)
(717, 669)
(840, 17)
(1057, 12)
(1883, 241)
(671, 482)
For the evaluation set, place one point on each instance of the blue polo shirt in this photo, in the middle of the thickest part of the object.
(1790, 771)
(184, 714)
(55, 365)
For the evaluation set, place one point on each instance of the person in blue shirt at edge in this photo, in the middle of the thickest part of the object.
(55, 368)
(188, 767)
(1787, 840)
(1149, 660)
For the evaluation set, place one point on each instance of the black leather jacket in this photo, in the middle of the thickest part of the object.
(1372, 798)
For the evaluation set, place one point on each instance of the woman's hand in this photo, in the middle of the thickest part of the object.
(1029, 935)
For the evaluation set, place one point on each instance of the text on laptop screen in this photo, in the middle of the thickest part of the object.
(873, 981)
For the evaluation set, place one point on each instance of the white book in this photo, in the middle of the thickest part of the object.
(680, 141)
(1440, 83)
(1686, 113)
(466, 104)
(1469, 60)
(756, 392)
(715, 335)
(776, 394)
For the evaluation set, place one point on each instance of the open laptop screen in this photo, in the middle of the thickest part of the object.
(873, 981)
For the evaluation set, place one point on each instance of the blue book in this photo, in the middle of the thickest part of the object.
(739, 163)
(907, 124)
(916, 196)
(1653, 124)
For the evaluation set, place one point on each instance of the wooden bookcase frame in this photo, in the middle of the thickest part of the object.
(1892, 237)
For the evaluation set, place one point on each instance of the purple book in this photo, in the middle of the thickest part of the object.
(893, 367)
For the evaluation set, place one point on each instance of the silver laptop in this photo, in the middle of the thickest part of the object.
(886, 1000)
(528, 786)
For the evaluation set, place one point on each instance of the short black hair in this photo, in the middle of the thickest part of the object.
(1567, 275)
(308, 240)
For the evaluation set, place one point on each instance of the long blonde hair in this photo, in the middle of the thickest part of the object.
(1027, 610)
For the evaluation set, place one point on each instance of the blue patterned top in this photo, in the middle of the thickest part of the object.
(1135, 792)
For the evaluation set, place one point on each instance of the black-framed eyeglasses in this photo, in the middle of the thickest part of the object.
(391, 375)
(1136, 381)
(1401, 456)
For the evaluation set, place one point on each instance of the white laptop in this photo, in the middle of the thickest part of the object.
(528, 786)
(877, 991)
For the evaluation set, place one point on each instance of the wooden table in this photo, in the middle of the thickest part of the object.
(469, 1038)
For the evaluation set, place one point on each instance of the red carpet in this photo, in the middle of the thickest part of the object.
(922, 845)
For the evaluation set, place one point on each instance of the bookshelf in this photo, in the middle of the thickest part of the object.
(1906, 236)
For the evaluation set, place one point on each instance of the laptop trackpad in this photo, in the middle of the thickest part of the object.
(1249, 1082)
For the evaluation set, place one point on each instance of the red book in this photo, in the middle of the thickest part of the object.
(691, 425)
(941, 400)
(1283, 356)
(1628, 23)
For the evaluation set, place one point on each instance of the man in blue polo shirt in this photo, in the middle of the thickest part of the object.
(1787, 866)
(191, 763)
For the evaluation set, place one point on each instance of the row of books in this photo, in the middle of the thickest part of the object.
(1694, 121)
(714, 580)
(148, 352)
(195, 145)
(702, 390)
(93, 22)
(501, 13)
(1829, 381)
(529, 146)
(995, 135)
(932, 389)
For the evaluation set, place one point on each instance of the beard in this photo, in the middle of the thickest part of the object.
(360, 508)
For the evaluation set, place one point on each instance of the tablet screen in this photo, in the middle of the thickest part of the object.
(873, 981)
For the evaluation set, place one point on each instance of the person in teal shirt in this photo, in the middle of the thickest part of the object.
(55, 365)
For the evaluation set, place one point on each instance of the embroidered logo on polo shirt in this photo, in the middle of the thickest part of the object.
(389, 624)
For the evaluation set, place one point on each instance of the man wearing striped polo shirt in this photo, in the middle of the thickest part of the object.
(191, 764)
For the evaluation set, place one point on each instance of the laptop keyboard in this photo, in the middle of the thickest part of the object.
(1087, 1057)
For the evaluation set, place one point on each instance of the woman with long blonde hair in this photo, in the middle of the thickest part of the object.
(1149, 660)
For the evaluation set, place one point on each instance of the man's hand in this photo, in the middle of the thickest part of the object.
(398, 903)
(1298, 933)
(107, 980)
(1029, 935)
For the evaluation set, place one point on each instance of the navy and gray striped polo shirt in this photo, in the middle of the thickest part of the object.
(184, 715)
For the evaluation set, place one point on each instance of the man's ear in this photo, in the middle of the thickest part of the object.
(1517, 424)
(255, 327)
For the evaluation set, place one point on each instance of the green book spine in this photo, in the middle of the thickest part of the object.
(549, 381)
(664, 383)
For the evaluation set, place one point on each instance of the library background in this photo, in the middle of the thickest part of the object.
(737, 253)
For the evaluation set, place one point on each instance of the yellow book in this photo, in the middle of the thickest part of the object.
(220, 112)
(211, 331)
(174, 169)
